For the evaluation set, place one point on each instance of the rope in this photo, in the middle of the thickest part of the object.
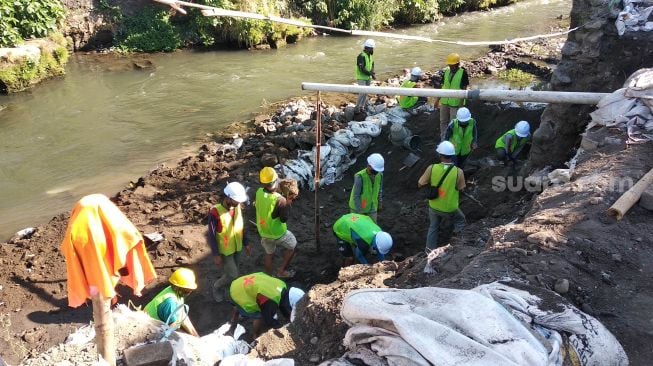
(219, 12)
(169, 329)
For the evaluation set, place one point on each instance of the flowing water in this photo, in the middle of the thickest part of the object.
(106, 123)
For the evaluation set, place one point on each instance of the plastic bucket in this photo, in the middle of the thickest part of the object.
(412, 142)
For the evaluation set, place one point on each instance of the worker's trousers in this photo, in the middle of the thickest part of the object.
(435, 217)
(229, 273)
(447, 113)
(361, 103)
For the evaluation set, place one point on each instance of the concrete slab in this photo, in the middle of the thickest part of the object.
(154, 354)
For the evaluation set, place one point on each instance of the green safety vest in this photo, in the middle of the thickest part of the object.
(230, 239)
(152, 307)
(407, 102)
(462, 138)
(267, 226)
(244, 289)
(515, 141)
(452, 83)
(362, 225)
(369, 192)
(447, 200)
(369, 63)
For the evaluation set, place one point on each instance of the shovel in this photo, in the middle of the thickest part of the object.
(409, 161)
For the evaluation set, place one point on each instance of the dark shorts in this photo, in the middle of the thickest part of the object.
(245, 314)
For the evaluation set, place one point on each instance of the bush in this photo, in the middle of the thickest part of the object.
(148, 30)
(27, 72)
(417, 11)
(449, 7)
(354, 14)
(22, 19)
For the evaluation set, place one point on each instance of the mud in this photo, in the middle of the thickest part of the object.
(174, 200)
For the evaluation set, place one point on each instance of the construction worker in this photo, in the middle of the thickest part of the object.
(409, 103)
(271, 215)
(168, 305)
(454, 77)
(364, 72)
(259, 296)
(226, 236)
(356, 235)
(510, 144)
(462, 133)
(365, 197)
(445, 182)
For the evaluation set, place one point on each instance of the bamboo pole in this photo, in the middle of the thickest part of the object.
(480, 94)
(104, 328)
(318, 144)
(628, 199)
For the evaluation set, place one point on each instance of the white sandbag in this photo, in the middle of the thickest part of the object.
(376, 109)
(380, 119)
(493, 324)
(364, 128)
(559, 176)
(337, 148)
(365, 142)
(243, 360)
(346, 137)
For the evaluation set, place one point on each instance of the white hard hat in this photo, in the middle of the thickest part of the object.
(369, 43)
(463, 115)
(522, 129)
(383, 242)
(446, 148)
(236, 192)
(376, 162)
(416, 71)
(294, 295)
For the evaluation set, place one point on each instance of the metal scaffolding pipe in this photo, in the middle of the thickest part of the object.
(494, 95)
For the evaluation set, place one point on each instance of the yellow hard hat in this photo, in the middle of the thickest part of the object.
(268, 175)
(184, 278)
(453, 59)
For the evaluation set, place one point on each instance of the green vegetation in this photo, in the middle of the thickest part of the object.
(417, 11)
(23, 19)
(23, 73)
(516, 76)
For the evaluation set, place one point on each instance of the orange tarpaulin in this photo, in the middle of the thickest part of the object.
(100, 240)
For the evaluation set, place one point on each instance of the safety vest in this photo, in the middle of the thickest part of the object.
(447, 200)
(152, 307)
(230, 239)
(452, 83)
(362, 225)
(369, 62)
(244, 289)
(515, 141)
(407, 102)
(369, 192)
(267, 226)
(462, 138)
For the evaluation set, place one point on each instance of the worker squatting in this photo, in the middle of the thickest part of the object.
(96, 225)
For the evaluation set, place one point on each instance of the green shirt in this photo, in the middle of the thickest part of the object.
(267, 226)
(448, 195)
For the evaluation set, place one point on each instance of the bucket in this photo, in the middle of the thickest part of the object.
(412, 143)
(398, 134)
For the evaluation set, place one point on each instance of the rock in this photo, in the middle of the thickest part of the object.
(153, 354)
(588, 144)
(349, 114)
(596, 200)
(616, 257)
(646, 200)
(314, 340)
(314, 359)
(585, 307)
(183, 243)
(562, 286)
(269, 160)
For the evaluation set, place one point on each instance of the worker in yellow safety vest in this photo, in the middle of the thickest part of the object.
(364, 72)
(445, 182)
(409, 103)
(511, 143)
(259, 296)
(462, 133)
(454, 77)
(226, 236)
(366, 195)
(168, 305)
(356, 235)
(272, 211)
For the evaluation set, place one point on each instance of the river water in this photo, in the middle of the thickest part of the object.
(105, 124)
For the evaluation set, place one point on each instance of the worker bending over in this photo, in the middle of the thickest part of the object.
(260, 297)
(356, 235)
(511, 143)
(168, 305)
(410, 103)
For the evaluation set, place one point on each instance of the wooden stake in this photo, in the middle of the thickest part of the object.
(318, 144)
(104, 328)
(630, 197)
